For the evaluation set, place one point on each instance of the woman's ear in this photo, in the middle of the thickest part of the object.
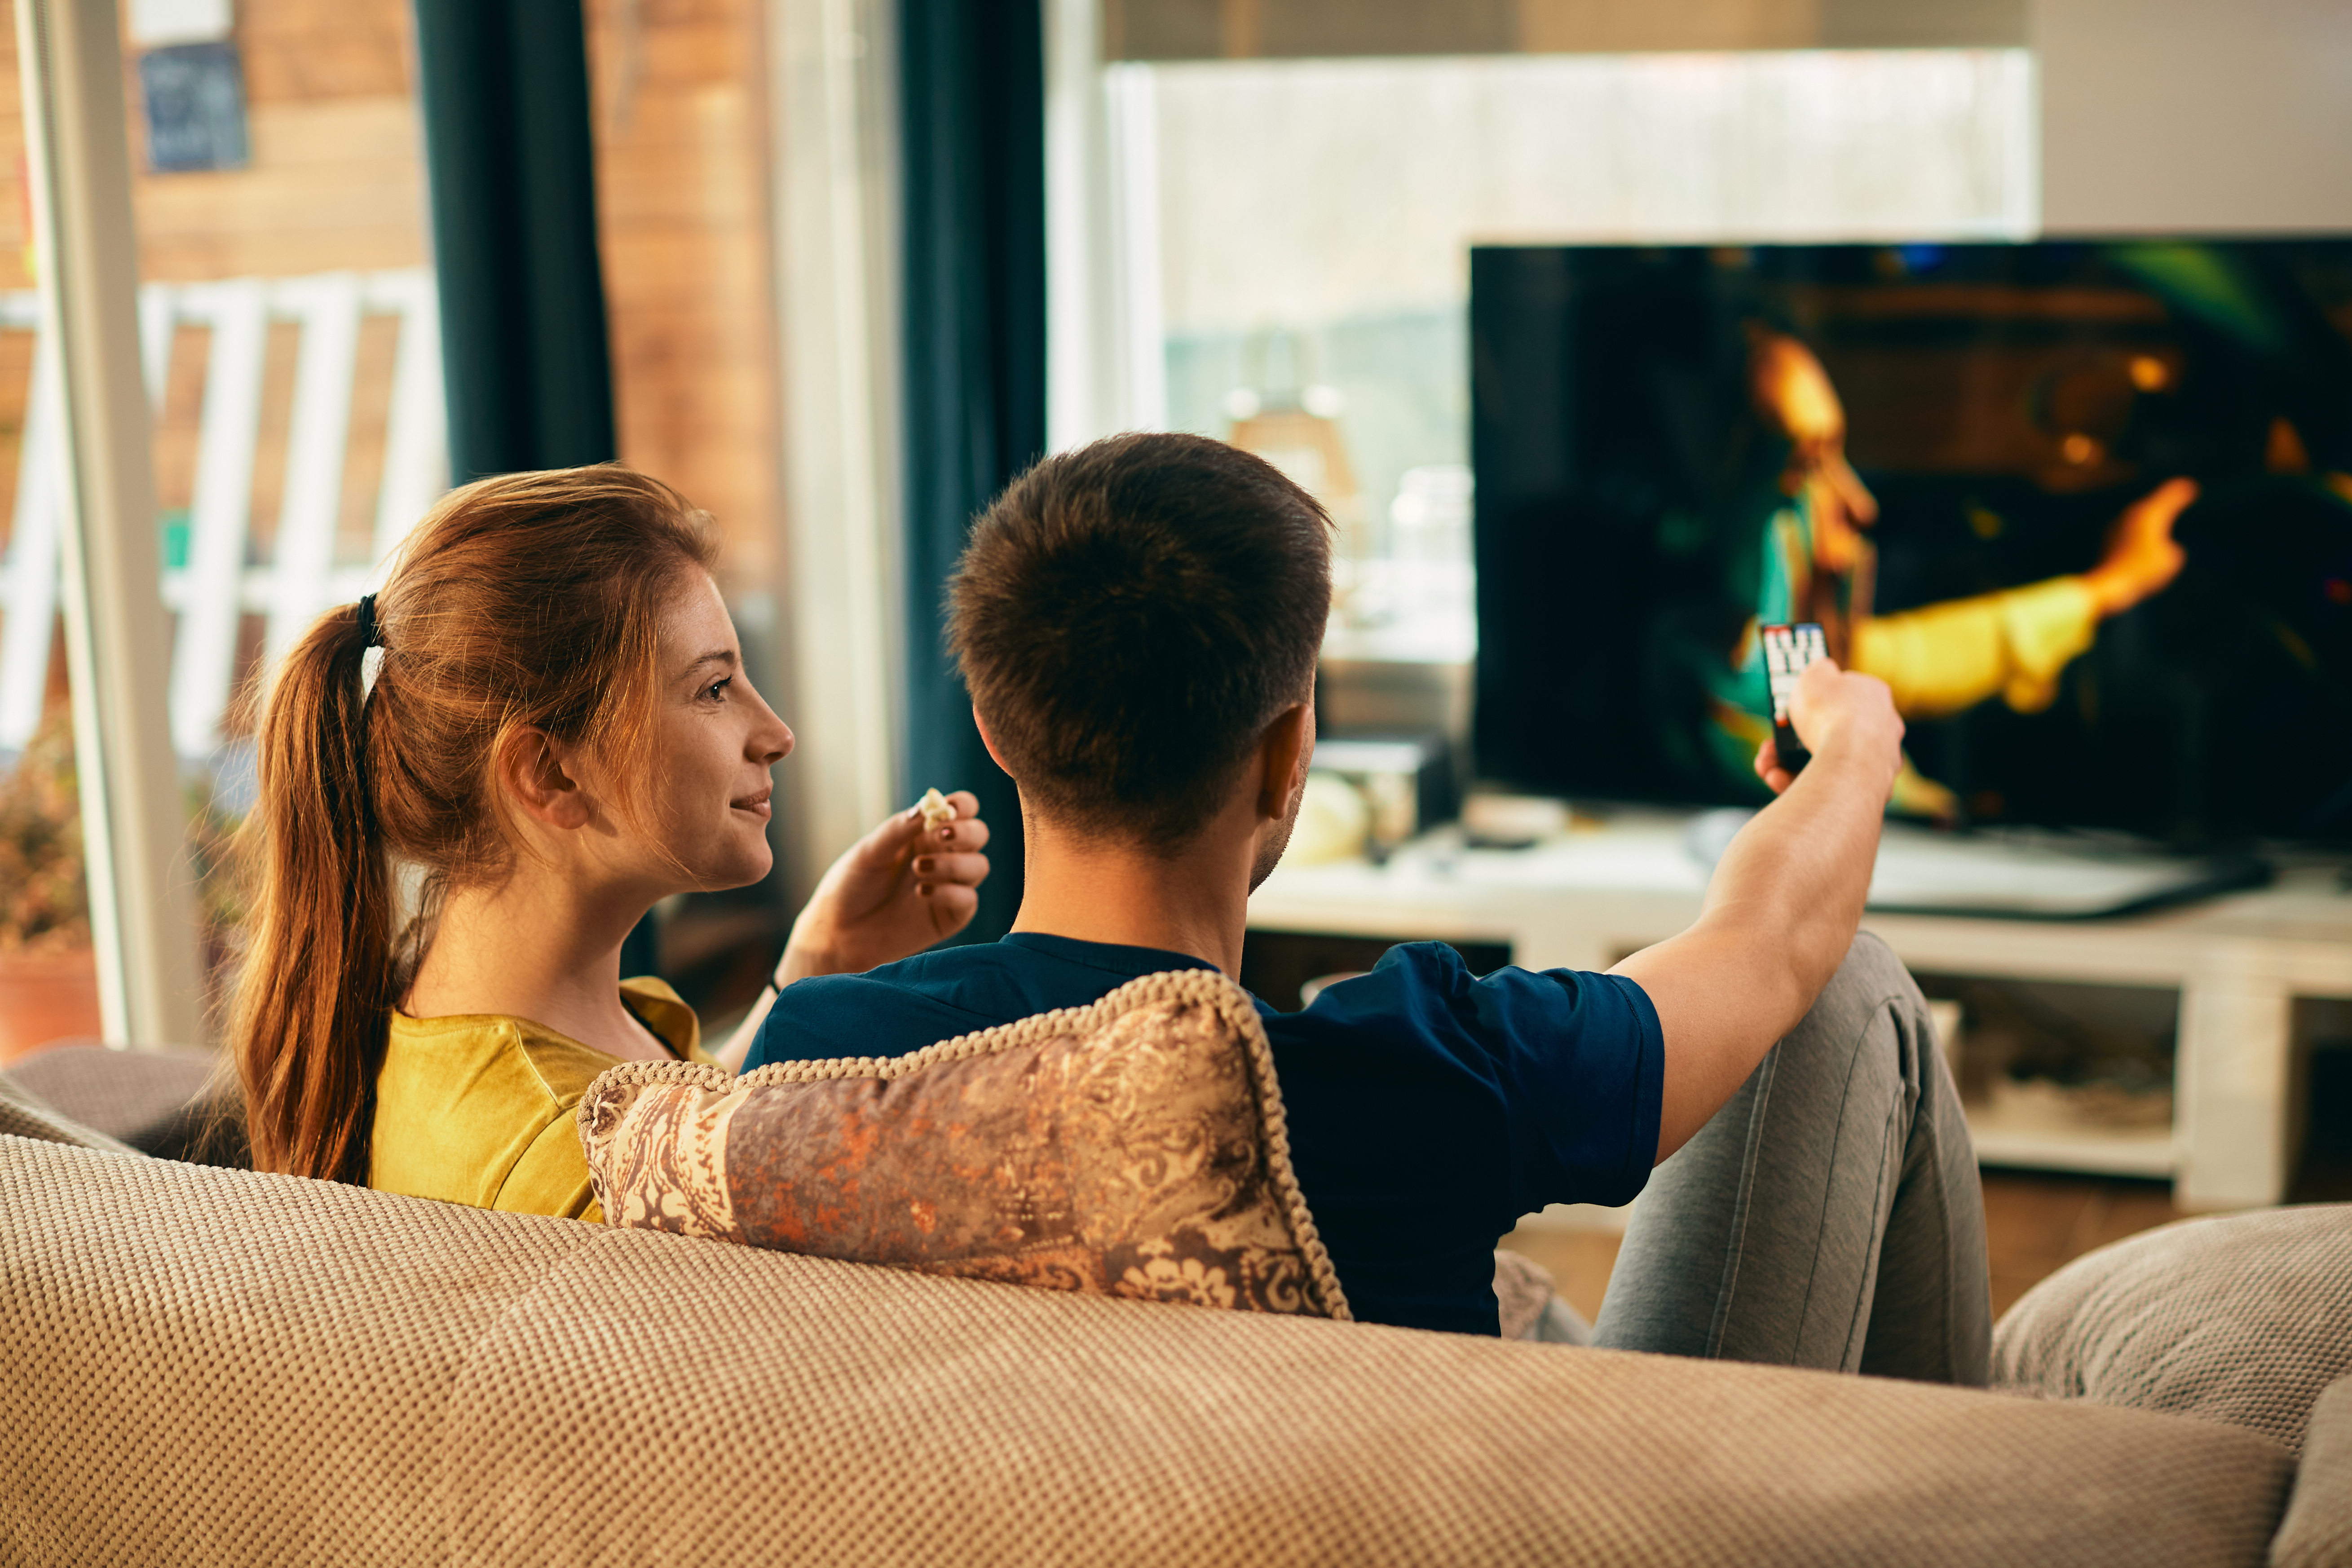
(532, 768)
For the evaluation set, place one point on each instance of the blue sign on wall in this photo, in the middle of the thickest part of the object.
(195, 107)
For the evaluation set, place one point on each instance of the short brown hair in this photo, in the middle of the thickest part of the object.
(1130, 616)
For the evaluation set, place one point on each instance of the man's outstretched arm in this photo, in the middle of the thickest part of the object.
(1783, 906)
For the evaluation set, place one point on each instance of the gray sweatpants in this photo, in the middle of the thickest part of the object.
(1829, 1216)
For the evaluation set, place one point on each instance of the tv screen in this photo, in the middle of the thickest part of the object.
(2085, 505)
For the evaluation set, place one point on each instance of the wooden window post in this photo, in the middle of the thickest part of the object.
(79, 162)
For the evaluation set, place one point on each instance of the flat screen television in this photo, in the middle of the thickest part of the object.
(2087, 504)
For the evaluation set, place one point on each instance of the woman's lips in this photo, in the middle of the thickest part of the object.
(757, 804)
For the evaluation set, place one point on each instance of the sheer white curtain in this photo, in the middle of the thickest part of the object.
(1304, 191)
(1297, 234)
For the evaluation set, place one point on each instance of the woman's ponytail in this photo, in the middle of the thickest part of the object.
(311, 1004)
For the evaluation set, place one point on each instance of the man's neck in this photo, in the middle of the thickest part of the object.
(1196, 903)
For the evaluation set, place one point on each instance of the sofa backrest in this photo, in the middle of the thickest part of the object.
(206, 1365)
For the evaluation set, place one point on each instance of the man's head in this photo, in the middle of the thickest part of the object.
(1130, 617)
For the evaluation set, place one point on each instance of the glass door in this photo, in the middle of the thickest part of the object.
(282, 320)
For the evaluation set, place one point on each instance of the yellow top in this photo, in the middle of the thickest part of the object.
(476, 1107)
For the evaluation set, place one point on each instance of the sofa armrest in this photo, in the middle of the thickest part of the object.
(2317, 1530)
(2242, 1319)
(24, 1114)
(174, 1104)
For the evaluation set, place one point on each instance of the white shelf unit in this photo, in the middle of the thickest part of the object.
(2239, 963)
(2093, 1151)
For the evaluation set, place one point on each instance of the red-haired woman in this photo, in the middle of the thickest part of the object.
(560, 731)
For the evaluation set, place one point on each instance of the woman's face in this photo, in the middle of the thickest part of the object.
(705, 794)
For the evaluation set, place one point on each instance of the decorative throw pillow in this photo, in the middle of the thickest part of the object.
(1132, 1148)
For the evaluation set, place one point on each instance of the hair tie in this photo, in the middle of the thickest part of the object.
(369, 636)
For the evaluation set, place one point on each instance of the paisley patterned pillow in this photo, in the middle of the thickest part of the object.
(1132, 1147)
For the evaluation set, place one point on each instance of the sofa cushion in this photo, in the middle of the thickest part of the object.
(25, 1114)
(2243, 1318)
(1132, 1147)
(175, 1104)
(1523, 1292)
(2317, 1530)
(202, 1366)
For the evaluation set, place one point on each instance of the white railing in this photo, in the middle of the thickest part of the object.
(217, 586)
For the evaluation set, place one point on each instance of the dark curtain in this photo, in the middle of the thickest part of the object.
(972, 90)
(510, 164)
(509, 159)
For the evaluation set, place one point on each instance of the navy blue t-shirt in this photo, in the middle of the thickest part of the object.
(1428, 1109)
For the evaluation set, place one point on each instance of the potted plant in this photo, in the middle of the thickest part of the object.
(217, 849)
(48, 978)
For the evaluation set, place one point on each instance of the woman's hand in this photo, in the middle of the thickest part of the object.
(895, 892)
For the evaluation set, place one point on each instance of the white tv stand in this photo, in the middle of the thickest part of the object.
(2239, 962)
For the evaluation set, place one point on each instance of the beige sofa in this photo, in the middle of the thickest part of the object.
(204, 1365)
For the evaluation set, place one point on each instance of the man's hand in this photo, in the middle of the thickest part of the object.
(2143, 558)
(1845, 719)
(895, 892)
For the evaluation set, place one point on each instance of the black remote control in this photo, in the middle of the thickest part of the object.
(1787, 651)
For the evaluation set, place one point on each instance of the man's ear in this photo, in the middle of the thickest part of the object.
(989, 741)
(531, 768)
(1282, 750)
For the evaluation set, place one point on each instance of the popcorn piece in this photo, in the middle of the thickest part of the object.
(937, 812)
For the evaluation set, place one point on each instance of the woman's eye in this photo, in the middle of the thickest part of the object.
(717, 690)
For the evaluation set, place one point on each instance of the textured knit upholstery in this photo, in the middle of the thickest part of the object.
(207, 1366)
(2242, 1319)
(2317, 1530)
(175, 1104)
(25, 1114)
